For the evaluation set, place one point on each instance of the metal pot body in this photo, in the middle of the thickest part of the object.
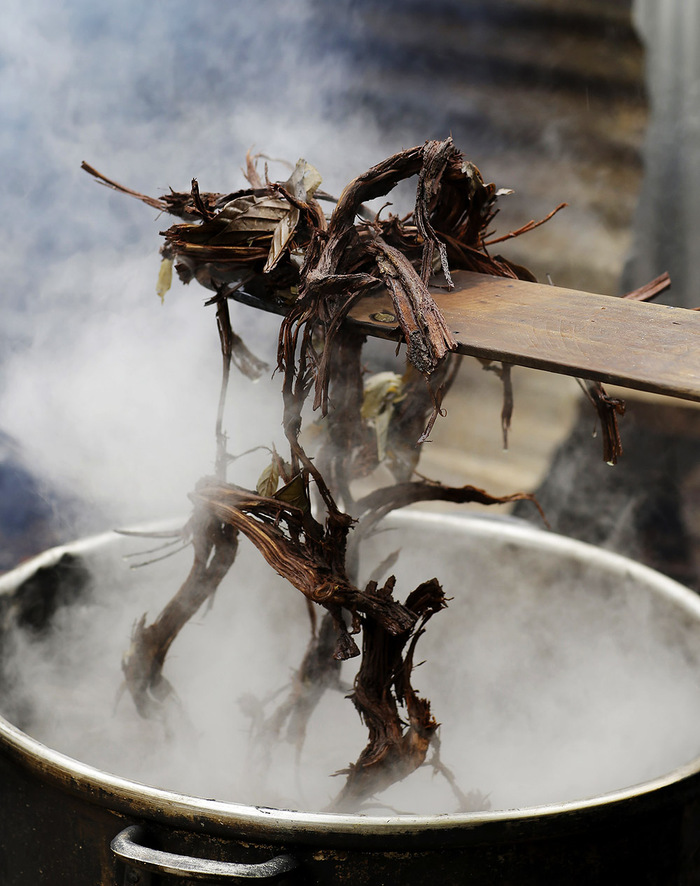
(64, 822)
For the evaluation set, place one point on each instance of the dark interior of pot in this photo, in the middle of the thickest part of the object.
(558, 672)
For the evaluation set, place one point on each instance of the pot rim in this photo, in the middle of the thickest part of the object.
(135, 798)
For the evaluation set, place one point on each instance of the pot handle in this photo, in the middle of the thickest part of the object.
(128, 846)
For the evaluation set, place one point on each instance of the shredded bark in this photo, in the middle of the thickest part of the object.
(425, 331)
(608, 408)
(503, 371)
(651, 289)
(400, 723)
(530, 226)
(272, 244)
(310, 556)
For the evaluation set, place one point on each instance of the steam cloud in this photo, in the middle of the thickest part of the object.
(549, 688)
(111, 396)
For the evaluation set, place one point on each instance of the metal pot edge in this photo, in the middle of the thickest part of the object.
(279, 825)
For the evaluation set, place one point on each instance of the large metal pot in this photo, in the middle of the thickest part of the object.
(64, 822)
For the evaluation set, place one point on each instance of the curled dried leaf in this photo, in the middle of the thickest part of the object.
(380, 391)
(268, 480)
(295, 493)
(380, 394)
(281, 238)
(165, 278)
(304, 181)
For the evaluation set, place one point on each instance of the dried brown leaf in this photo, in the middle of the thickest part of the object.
(268, 480)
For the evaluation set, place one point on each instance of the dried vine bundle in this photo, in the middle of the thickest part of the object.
(273, 244)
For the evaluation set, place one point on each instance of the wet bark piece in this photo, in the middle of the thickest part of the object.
(608, 409)
(310, 556)
(400, 723)
(427, 335)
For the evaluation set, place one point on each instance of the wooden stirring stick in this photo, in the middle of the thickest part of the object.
(622, 341)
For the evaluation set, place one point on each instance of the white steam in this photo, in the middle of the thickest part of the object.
(111, 395)
(554, 678)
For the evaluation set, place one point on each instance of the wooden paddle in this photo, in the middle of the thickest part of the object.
(630, 343)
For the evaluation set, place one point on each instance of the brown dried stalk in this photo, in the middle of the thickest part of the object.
(399, 722)
(180, 204)
(529, 226)
(608, 408)
(310, 556)
(651, 289)
(503, 371)
(377, 504)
